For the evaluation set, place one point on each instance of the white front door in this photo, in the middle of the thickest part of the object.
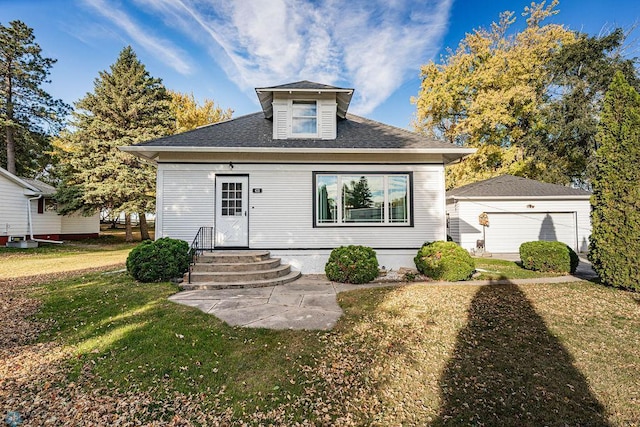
(232, 220)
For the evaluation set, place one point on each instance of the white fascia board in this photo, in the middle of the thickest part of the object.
(153, 151)
(17, 180)
(500, 198)
(349, 91)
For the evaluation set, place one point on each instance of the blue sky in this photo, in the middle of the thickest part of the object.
(222, 49)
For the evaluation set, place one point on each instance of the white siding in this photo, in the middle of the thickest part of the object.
(281, 217)
(13, 209)
(79, 224)
(185, 202)
(47, 223)
(468, 230)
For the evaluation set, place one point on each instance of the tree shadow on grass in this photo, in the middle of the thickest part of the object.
(508, 369)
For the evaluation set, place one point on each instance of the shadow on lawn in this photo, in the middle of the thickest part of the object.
(509, 369)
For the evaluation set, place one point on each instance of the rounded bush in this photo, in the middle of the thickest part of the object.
(548, 256)
(444, 261)
(352, 264)
(157, 261)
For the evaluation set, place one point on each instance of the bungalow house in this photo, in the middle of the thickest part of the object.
(300, 178)
(28, 212)
(517, 210)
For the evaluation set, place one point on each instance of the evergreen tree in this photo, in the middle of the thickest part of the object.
(28, 114)
(359, 195)
(127, 106)
(615, 244)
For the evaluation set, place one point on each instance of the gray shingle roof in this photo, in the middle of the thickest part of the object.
(254, 130)
(514, 186)
(304, 85)
(343, 95)
(44, 188)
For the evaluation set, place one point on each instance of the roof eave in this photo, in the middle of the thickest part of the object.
(17, 180)
(152, 152)
(564, 197)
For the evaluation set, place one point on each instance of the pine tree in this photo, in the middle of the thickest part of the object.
(359, 195)
(27, 112)
(615, 244)
(127, 106)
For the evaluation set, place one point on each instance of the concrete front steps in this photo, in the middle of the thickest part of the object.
(237, 269)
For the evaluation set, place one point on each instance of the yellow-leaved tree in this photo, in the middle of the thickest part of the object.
(488, 92)
(189, 114)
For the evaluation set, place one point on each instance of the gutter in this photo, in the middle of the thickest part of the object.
(30, 220)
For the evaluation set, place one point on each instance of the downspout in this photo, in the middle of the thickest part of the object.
(31, 223)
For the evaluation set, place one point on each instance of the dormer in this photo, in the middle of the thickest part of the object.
(304, 110)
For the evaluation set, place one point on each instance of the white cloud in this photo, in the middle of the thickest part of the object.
(371, 45)
(160, 48)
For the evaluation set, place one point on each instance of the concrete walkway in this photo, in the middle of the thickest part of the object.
(307, 303)
(310, 302)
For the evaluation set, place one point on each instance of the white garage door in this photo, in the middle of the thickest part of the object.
(507, 231)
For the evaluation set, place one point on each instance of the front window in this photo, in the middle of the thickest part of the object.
(362, 199)
(304, 118)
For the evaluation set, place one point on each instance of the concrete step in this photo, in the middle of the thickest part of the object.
(240, 276)
(237, 266)
(293, 275)
(228, 257)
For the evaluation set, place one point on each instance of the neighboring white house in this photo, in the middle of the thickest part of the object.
(28, 211)
(301, 178)
(518, 210)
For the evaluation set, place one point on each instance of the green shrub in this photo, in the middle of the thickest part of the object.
(352, 264)
(548, 256)
(444, 261)
(163, 259)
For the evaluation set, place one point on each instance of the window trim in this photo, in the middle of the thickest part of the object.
(317, 224)
(292, 117)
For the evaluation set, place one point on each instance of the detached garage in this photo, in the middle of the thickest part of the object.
(516, 210)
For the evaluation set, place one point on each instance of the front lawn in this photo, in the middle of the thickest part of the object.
(113, 350)
(497, 269)
(51, 258)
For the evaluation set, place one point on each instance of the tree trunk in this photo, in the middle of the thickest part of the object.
(144, 228)
(128, 236)
(11, 151)
(10, 131)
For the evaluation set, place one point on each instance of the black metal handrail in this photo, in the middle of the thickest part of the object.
(202, 242)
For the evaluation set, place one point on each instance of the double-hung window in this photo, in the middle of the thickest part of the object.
(304, 119)
(355, 199)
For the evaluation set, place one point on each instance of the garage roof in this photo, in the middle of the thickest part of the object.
(514, 186)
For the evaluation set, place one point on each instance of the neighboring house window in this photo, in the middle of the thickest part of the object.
(46, 205)
(50, 205)
(304, 118)
(362, 199)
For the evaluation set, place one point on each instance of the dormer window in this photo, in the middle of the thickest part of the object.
(304, 118)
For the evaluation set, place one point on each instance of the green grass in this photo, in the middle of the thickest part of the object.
(59, 258)
(496, 269)
(557, 354)
(134, 337)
